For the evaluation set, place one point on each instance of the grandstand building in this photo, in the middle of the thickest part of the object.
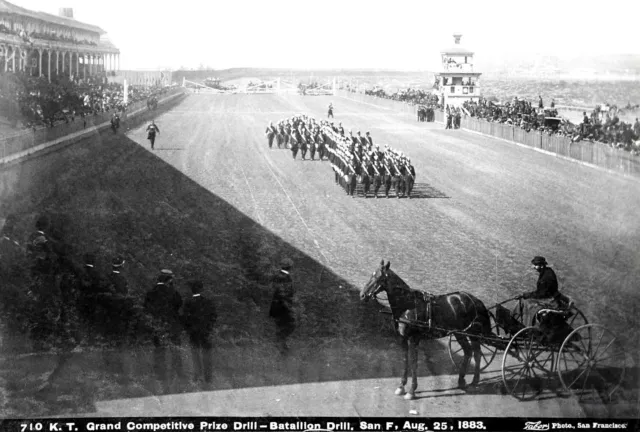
(457, 82)
(42, 44)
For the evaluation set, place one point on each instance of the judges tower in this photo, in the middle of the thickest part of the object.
(456, 82)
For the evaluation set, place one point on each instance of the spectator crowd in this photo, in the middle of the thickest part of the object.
(35, 101)
(602, 124)
(52, 36)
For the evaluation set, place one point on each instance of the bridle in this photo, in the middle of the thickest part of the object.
(379, 287)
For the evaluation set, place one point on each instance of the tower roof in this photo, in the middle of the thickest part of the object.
(457, 49)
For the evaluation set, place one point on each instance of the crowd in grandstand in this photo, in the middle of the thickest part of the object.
(52, 36)
(354, 159)
(36, 101)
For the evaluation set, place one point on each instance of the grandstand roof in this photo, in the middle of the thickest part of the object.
(6, 7)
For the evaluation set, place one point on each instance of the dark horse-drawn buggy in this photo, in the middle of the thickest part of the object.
(587, 358)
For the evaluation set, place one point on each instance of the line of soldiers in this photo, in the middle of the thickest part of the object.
(298, 133)
(354, 159)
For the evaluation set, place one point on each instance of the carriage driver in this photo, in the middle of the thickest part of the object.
(546, 294)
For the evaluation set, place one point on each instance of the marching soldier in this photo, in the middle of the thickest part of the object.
(199, 316)
(330, 113)
(287, 134)
(282, 310)
(410, 178)
(304, 142)
(163, 303)
(369, 139)
(270, 133)
(378, 177)
(399, 180)
(320, 144)
(294, 142)
(152, 130)
(351, 182)
(340, 129)
(280, 135)
(389, 174)
(367, 176)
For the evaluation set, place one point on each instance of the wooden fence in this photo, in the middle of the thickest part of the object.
(597, 154)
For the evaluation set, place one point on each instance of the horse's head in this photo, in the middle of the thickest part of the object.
(377, 283)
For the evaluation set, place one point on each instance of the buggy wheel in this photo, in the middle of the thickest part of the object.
(577, 318)
(456, 354)
(526, 364)
(592, 362)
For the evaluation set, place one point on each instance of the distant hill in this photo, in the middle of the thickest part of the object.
(619, 65)
(266, 73)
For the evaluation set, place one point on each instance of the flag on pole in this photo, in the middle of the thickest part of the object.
(126, 91)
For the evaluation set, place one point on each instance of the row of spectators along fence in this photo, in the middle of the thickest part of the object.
(30, 138)
(588, 152)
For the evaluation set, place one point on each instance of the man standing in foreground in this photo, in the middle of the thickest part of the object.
(199, 317)
(282, 305)
(163, 303)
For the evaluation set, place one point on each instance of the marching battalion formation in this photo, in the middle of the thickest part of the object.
(354, 159)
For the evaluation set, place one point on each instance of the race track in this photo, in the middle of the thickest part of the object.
(479, 200)
(483, 209)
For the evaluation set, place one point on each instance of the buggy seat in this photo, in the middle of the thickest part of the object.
(554, 314)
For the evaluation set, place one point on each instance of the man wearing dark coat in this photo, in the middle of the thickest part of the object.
(295, 142)
(162, 303)
(377, 178)
(199, 316)
(368, 138)
(152, 130)
(282, 310)
(409, 178)
(270, 133)
(546, 294)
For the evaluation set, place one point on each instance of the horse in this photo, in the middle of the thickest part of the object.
(419, 315)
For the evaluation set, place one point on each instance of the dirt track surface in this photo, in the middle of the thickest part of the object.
(483, 209)
(478, 199)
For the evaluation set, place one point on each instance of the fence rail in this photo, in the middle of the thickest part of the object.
(28, 139)
(597, 154)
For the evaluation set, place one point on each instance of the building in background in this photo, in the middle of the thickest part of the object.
(457, 82)
(43, 44)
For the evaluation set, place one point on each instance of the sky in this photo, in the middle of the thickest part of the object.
(399, 34)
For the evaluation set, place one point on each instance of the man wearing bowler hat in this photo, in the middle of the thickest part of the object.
(163, 304)
(546, 294)
(199, 316)
(282, 304)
